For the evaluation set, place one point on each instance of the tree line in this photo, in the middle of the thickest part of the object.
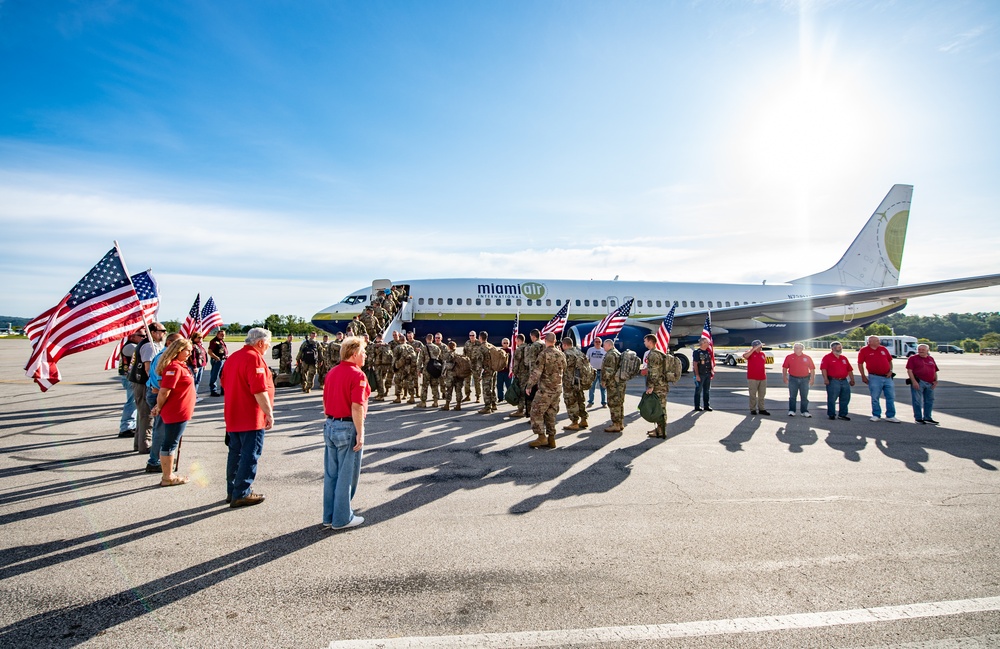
(970, 331)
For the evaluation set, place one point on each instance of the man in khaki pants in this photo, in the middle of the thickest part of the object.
(756, 377)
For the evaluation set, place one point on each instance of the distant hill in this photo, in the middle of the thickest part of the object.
(13, 321)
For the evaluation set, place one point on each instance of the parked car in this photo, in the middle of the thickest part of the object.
(732, 359)
(950, 349)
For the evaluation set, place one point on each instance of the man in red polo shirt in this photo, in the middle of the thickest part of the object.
(345, 402)
(838, 375)
(756, 376)
(923, 372)
(248, 407)
(875, 366)
(798, 372)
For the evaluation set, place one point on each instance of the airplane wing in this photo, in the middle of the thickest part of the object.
(780, 309)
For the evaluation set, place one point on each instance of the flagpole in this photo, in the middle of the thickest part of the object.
(142, 312)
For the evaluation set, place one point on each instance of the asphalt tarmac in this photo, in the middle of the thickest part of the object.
(736, 531)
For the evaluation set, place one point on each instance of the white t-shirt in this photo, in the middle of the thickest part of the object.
(596, 357)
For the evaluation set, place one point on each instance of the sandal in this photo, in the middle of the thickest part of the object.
(174, 481)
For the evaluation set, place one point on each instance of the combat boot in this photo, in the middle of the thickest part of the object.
(435, 404)
(397, 400)
(584, 425)
(572, 426)
(541, 441)
(516, 414)
(552, 440)
(422, 404)
(613, 428)
(411, 401)
(444, 407)
(484, 411)
(458, 406)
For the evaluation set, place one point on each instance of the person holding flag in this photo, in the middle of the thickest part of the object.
(703, 360)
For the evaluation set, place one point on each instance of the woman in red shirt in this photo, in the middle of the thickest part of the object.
(174, 404)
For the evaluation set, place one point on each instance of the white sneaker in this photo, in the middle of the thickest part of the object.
(892, 419)
(791, 413)
(354, 522)
(806, 415)
(874, 418)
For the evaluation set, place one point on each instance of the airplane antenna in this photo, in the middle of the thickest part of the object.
(615, 279)
(764, 283)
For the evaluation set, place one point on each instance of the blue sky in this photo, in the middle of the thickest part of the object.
(278, 155)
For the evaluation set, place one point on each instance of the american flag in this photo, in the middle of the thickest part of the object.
(210, 316)
(557, 323)
(145, 288)
(102, 307)
(192, 323)
(663, 333)
(706, 332)
(610, 325)
(513, 345)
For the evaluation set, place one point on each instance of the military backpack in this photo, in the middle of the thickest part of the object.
(463, 366)
(309, 349)
(587, 374)
(629, 365)
(497, 358)
(406, 352)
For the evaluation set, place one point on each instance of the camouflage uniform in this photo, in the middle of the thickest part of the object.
(469, 350)
(433, 351)
(333, 354)
(547, 374)
(487, 377)
(322, 365)
(418, 365)
(573, 390)
(382, 360)
(531, 353)
(404, 360)
(285, 362)
(307, 370)
(449, 382)
(521, 373)
(661, 370)
(371, 328)
(355, 327)
(616, 390)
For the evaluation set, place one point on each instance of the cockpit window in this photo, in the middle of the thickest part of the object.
(354, 299)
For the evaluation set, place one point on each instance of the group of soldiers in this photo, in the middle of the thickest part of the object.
(375, 317)
(431, 373)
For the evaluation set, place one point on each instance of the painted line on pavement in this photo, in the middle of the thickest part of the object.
(599, 635)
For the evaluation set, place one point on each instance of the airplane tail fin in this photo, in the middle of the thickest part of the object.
(875, 257)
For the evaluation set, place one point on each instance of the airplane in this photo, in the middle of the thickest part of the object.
(859, 289)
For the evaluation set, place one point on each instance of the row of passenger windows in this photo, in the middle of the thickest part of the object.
(602, 303)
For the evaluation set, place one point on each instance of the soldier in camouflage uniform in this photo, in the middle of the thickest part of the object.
(368, 320)
(521, 373)
(418, 365)
(322, 365)
(573, 390)
(487, 375)
(433, 351)
(449, 382)
(615, 388)
(661, 370)
(285, 362)
(307, 370)
(381, 360)
(404, 361)
(333, 351)
(355, 327)
(547, 376)
(531, 353)
(469, 350)
(381, 314)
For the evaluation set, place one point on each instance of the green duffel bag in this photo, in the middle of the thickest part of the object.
(296, 378)
(514, 396)
(650, 408)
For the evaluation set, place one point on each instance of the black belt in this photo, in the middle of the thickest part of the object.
(341, 418)
(884, 376)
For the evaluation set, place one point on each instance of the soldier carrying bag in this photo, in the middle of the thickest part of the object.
(309, 353)
(435, 367)
(514, 396)
(276, 351)
(587, 374)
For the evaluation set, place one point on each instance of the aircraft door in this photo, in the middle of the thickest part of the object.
(406, 313)
(613, 303)
(379, 286)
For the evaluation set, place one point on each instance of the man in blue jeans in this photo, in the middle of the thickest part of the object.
(596, 357)
(923, 372)
(249, 411)
(345, 403)
(218, 352)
